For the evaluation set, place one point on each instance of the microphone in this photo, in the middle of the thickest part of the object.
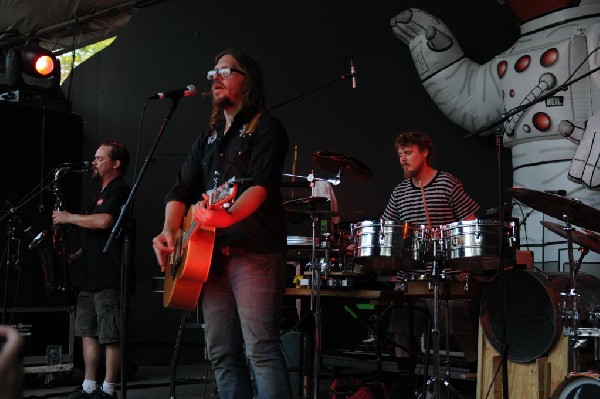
(75, 167)
(353, 73)
(562, 193)
(189, 91)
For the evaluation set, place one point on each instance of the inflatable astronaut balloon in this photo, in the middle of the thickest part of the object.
(555, 143)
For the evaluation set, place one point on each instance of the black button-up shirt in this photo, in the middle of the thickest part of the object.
(258, 157)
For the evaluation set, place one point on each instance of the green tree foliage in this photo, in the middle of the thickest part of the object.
(81, 55)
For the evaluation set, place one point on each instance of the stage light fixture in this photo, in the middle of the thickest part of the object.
(33, 68)
(33, 77)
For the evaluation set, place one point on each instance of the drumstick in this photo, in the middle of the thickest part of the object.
(425, 205)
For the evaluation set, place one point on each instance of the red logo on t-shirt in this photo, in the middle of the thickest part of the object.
(100, 201)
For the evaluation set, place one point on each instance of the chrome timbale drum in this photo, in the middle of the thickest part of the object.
(474, 244)
(534, 310)
(579, 386)
(385, 244)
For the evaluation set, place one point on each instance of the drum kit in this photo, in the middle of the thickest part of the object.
(572, 307)
(435, 255)
(443, 257)
(343, 166)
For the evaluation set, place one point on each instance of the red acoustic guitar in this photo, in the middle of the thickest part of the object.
(187, 268)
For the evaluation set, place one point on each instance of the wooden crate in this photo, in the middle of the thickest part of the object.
(534, 380)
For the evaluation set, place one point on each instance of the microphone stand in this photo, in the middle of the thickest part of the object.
(499, 133)
(126, 254)
(12, 215)
(301, 95)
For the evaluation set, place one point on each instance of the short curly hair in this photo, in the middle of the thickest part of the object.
(420, 139)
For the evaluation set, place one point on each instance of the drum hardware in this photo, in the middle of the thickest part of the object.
(402, 281)
(317, 269)
(570, 211)
(578, 385)
(562, 208)
(587, 240)
(434, 383)
(342, 165)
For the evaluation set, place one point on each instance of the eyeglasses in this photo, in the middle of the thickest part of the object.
(223, 73)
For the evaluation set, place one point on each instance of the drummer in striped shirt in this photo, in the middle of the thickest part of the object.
(433, 198)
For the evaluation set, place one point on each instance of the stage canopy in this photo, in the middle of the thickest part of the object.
(61, 25)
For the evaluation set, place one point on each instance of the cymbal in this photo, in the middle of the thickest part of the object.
(345, 165)
(566, 209)
(308, 201)
(589, 241)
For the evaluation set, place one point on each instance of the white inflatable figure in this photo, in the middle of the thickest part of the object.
(555, 143)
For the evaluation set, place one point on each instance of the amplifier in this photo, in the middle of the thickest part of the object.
(48, 332)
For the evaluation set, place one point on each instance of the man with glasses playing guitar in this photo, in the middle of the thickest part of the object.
(232, 251)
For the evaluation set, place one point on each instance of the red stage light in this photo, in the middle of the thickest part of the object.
(33, 76)
(44, 65)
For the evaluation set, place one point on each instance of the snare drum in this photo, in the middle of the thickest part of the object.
(385, 244)
(580, 386)
(474, 244)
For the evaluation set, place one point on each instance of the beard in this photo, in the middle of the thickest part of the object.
(222, 102)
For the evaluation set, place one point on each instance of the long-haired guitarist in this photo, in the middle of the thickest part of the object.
(241, 300)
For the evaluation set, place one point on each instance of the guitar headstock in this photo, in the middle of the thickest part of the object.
(223, 196)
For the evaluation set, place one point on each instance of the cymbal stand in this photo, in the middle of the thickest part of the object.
(315, 304)
(571, 315)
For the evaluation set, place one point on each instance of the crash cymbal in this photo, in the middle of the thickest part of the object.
(566, 209)
(309, 202)
(345, 165)
(589, 241)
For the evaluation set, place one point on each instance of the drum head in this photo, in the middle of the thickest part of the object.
(580, 386)
(532, 323)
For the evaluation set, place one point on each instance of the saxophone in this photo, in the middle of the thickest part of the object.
(57, 279)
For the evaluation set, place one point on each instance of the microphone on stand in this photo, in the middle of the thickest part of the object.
(189, 91)
(75, 167)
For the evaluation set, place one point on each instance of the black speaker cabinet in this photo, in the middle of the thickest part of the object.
(48, 332)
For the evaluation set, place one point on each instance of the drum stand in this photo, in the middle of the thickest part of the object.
(571, 315)
(433, 387)
(315, 300)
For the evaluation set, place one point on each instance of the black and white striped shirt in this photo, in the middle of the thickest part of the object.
(446, 198)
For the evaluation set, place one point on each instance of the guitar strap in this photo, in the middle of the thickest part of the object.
(253, 123)
(247, 132)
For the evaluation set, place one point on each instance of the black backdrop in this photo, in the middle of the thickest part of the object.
(35, 140)
(300, 45)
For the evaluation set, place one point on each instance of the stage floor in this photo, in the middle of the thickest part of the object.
(153, 382)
